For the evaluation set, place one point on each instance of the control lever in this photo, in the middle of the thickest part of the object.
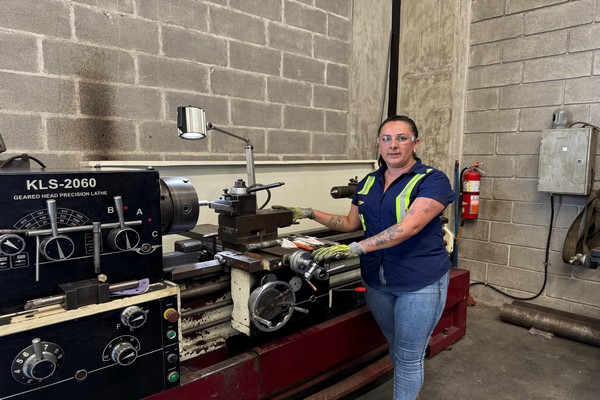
(97, 243)
(56, 247)
(122, 238)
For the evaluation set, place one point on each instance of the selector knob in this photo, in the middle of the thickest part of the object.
(134, 317)
(37, 362)
(124, 353)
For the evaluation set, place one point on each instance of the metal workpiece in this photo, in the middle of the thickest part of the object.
(559, 323)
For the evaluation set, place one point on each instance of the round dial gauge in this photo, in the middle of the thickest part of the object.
(11, 244)
(56, 248)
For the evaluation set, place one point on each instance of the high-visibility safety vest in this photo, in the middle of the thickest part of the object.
(402, 200)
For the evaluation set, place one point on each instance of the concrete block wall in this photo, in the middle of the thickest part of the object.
(102, 79)
(526, 60)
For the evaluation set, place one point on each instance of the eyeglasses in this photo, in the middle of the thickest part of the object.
(400, 139)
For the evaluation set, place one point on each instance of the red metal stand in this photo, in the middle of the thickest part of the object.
(453, 323)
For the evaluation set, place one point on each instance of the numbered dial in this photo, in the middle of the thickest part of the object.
(11, 244)
(57, 248)
(134, 317)
(123, 239)
(37, 362)
(122, 350)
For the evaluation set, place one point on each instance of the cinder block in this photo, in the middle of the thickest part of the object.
(340, 7)
(478, 229)
(582, 90)
(558, 67)
(497, 165)
(494, 210)
(494, 75)
(519, 143)
(531, 95)
(332, 50)
(336, 122)
(18, 52)
(90, 134)
(541, 45)
(576, 290)
(519, 234)
(292, 40)
(477, 270)
(339, 28)
(238, 84)
(50, 18)
(169, 73)
(22, 132)
(303, 69)
(161, 137)
(519, 189)
(338, 75)
(516, 6)
(36, 93)
(330, 97)
(585, 37)
(515, 278)
(495, 29)
(475, 144)
(305, 17)
(289, 142)
(485, 54)
(559, 17)
(482, 99)
(88, 62)
(190, 14)
(486, 9)
(304, 119)
(124, 6)
(249, 113)
(288, 91)
(220, 143)
(238, 26)
(533, 259)
(491, 121)
(526, 166)
(121, 31)
(119, 101)
(254, 59)
(483, 251)
(329, 144)
(193, 46)
(270, 9)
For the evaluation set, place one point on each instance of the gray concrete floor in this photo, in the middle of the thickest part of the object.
(500, 361)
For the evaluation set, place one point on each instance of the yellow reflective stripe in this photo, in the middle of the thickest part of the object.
(362, 221)
(403, 199)
(370, 181)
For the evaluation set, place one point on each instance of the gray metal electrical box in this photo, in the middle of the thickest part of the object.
(567, 159)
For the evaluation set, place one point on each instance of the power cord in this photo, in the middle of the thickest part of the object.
(24, 157)
(545, 263)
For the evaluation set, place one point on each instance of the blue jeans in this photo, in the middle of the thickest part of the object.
(407, 320)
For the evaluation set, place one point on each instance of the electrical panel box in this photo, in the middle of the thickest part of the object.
(567, 159)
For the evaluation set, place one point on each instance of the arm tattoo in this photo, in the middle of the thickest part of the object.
(336, 223)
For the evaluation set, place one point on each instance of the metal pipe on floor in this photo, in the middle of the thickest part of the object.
(561, 323)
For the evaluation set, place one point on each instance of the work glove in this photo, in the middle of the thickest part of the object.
(338, 251)
(298, 213)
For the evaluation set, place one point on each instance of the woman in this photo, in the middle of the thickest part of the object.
(404, 264)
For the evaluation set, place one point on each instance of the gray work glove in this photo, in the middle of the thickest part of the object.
(338, 251)
(298, 213)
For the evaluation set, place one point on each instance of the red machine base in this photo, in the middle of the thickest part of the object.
(295, 363)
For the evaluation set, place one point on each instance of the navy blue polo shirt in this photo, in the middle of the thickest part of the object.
(420, 260)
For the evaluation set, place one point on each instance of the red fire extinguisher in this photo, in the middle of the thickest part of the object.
(470, 192)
